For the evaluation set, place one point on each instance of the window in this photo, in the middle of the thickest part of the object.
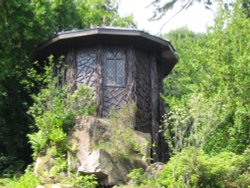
(114, 68)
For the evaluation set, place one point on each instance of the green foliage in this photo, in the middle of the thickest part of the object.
(107, 9)
(10, 165)
(122, 129)
(207, 93)
(120, 133)
(60, 165)
(137, 177)
(38, 142)
(161, 7)
(83, 96)
(207, 120)
(89, 181)
(28, 180)
(54, 110)
(193, 168)
(81, 181)
(15, 39)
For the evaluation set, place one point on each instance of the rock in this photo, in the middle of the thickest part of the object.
(90, 135)
(154, 169)
(144, 140)
(43, 164)
(110, 170)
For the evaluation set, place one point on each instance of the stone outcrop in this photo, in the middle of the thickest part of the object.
(43, 164)
(98, 146)
(154, 169)
(101, 153)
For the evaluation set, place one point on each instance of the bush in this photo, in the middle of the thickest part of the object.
(81, 181)
(10, 165)
(54, 110)
(194, 168)
(28, 180)
(121, 134)
(136, 176)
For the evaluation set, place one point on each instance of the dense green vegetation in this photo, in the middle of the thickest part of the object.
(207, 124)
(54, 110)
(208, 91)
(193, 168)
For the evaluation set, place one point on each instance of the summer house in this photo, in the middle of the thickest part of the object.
(120, 65)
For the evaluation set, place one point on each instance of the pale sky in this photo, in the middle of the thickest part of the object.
(196, 18)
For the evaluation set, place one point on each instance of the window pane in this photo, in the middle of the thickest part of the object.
(110, 72)
(120, 72)
(114, 68)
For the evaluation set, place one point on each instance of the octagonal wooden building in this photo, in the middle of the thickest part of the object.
(120, 65)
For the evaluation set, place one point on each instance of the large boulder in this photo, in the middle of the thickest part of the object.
(100, 152)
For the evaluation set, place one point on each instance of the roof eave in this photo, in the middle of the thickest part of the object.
(164, 45)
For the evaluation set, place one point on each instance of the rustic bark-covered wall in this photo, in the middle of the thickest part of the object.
(86, 67)
(105, 70)
(119, 74)
(70, 68)
(155, 98)
(143, 91)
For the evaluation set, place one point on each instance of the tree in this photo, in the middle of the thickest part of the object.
(16, 40)
(207, 91)
(161, 7)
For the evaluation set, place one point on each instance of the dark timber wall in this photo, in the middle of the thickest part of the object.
(137, 79)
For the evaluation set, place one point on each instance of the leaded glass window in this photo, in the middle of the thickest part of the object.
(114, 68)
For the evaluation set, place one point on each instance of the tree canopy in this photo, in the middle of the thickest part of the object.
(209, 87)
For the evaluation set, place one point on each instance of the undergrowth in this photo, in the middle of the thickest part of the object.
(54, 110)
(120, 130)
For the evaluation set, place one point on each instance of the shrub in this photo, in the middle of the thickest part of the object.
(120, 133)
(194, 168)
(10, 165)
(136, 176)
(28, 180)
(54, 110)
(81, 181)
